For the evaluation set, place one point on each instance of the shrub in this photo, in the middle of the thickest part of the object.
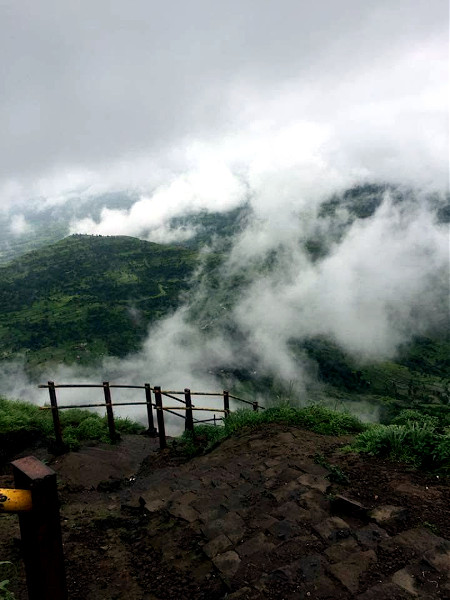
(92, 428)
(419, 444)
(23, 424)
(203, 439)
(15, 416)
(414, 416)
(127, 426)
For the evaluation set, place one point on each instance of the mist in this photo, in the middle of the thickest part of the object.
(377, 283)
(278, 109)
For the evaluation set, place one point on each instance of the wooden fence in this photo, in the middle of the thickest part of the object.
(185, 405)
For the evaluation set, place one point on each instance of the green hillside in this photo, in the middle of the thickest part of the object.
(50, 224)
(86, 296)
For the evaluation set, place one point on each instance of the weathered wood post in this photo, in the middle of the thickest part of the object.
(160, 417)
(255, 406)
(226, 402)
(109, 412)
(55, 414)
(151, 431)
(189, 420)
(40, 531)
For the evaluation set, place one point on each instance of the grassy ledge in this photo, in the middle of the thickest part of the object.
(315, 418)
(414, 438)
(23, 424)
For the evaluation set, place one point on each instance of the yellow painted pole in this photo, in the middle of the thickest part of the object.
(15, 500)
(40, 530)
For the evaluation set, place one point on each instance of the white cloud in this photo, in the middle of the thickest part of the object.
(213, 187)
(109, 97)
(18, 225)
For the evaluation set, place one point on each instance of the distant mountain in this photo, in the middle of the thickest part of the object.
(88, 295)
(44, 225)
(216, 228)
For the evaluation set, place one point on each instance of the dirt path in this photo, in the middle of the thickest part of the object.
(276, 513)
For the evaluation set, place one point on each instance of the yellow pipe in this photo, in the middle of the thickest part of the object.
(15, 500)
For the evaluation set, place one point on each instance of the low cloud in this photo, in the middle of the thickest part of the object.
(213, 186)
(385, 282)
(18, 225)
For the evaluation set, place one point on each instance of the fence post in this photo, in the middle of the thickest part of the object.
(255, 406)
(226, 403)
(189, 421)
(40, 531)
(160, 417)
(109, 413)
(55, 414)
(151, 431)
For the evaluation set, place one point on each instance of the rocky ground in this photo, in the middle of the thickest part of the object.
(277, 513)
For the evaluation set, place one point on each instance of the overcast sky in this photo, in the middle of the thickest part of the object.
(119, 94)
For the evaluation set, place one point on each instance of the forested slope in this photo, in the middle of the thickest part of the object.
(88, 295)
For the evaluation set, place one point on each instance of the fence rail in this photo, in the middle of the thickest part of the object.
(157, 405)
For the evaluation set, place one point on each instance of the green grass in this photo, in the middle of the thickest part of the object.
(203, 439)
(336, 474)
(22, 423)
(86, 296)
(413, 438)
(315, 418)
(7, 572)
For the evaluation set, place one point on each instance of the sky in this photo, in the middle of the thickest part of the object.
(109, 95)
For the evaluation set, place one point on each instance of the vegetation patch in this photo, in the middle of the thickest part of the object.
(315, 418)
(414, 438)
(419, 439)
(23, 424)
(7, 572)
(98, 297)
(336, 474)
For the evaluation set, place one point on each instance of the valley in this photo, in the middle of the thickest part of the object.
(85, 298)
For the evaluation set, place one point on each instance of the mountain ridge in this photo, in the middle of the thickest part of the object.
(89, 289)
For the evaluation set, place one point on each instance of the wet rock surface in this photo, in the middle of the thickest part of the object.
(257, 518)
